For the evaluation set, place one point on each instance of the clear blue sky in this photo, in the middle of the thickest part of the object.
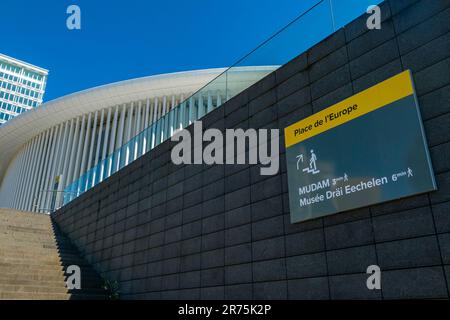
(121, 40)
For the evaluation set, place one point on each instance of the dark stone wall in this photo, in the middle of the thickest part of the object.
(215, 232)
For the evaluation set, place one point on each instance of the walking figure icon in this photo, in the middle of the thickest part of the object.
(410, 172)
(312, 164)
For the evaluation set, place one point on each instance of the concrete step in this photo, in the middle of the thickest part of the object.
(15, 267)
(25, 221)
(86, 279)
(37, 255)
(43, 269)
(22, 214)
(34, 256)
(7, 276)
(53, 256)
(49, 296)
(26, 225)
(43, 288)
(10, 229)
(15, 215)
(29, 238)
(38, 249)
(34, 296)
(86, 272)
(44, 262)
(17, 242)
(36, 218)
(33, 265)
(61, 279)
(20, 228)
(34, 289)
(29, 247)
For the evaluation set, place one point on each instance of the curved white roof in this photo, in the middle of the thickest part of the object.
(16, 132)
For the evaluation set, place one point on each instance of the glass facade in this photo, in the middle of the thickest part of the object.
(22, 87)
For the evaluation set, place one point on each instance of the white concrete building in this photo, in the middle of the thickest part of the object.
(22, 87)
(48, 148)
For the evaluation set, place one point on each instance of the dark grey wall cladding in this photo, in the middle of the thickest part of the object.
(215, 232)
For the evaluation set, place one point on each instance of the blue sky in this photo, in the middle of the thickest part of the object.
(121, 40)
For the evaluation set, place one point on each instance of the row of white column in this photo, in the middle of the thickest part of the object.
(67, 151)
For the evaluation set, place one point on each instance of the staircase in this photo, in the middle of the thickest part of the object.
(34, 256)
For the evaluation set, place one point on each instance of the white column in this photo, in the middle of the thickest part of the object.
(158, 125)
(219, 99)
(191, 110)
(138, 118)
(137, 145)
(129, 123)
(81, 143)
(112, 139)
(133, 121)
(165, 127)
(92, 143)
(28, 172)
(86, 144)
(61, 157)
(11, 178)
(67, 155)
(120, 136)
(73, 149)
(55, 165)
(47, 173)
(105, 146)
(142, 122)
(18, 162)
(8, 179)
(120, 132)
(17, 176)
(68, 163)
(96, 173)
(150, 125)
(172, 117)
(210, 104)
(147, 112)
(200, 108)
(155, 109)
(128, 133)
(20, 177)
(99, 140)
(146, 124)
(19, 193)
(38, 183)
(37, 173)
(181, 113)
(155, 117)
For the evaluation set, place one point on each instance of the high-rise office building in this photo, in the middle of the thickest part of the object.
(22, 87)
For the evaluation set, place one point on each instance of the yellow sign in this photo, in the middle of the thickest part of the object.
(378, 96)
